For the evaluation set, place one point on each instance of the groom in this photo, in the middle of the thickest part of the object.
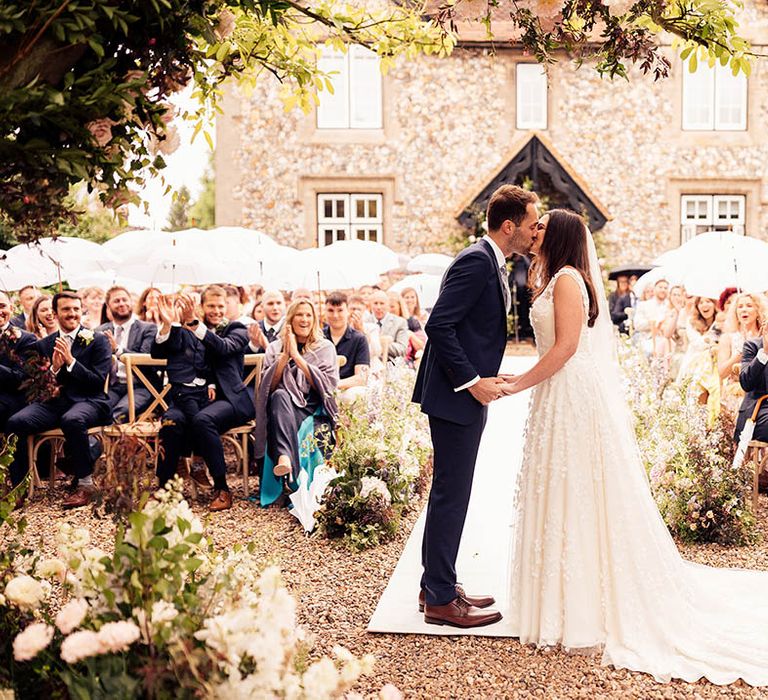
(457, 379)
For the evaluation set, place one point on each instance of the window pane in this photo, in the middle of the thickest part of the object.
(360, 209)
(373, 209)
(328, 209)
(531, 88)
(698, 98)
(333, 110)
(328, 236)
(364, 89)
(731, 100)
(340, 209)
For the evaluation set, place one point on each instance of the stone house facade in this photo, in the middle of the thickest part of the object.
(409, 163)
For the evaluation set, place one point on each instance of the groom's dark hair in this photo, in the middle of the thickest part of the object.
(508, 202)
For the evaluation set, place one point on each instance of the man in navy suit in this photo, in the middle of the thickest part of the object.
(266, 331)
(457, 379)
(126, 333)
(16, 346)
(27, 296)
(754, 380)
(208, 396)
(80, 360)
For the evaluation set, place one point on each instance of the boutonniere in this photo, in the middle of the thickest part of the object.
(86, 335)
(220, 327)
(14, 332)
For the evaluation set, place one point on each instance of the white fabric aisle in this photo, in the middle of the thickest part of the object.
(483, 562)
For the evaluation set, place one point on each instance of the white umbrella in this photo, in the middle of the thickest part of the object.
(653, 276)
(430, 263)
(374, 258)
(38, 271)
(175, 266)
(427, 288)
(110, 278)
(235, 234)
(69, 255)
(135, 246)
(313, 270)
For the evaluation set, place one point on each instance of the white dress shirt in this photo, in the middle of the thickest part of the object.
(122, 345)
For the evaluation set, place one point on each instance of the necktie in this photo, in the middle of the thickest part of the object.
(119, 366)
(270, 334)
(505, 287)
(69, 340)
(379, 322)
(119, 335)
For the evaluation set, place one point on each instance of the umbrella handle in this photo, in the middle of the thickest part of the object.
(757, 407)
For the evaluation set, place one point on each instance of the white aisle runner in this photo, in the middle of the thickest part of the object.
(483, 561)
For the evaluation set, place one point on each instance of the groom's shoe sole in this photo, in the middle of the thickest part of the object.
(480, 601)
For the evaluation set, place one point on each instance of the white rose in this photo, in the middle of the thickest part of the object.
(80, 645)
(25, 592)
(29, 643)
(51, 568)
(162, 612)
(71, 616)
(118, 636)
(372, 484)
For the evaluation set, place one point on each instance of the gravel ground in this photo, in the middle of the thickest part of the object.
(337, 592)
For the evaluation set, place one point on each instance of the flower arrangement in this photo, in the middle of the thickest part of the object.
(163, 616)
(383, 455)
(699, 494)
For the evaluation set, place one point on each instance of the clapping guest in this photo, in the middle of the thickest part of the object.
(649, 315)
(205, 368)
(147, 305)
(725, 322)
(299, 377)
(411, 298)
(350, 344)
(358, 313)
(42, 320)
(27, 296)
(126, 333)
(93, 306)
(391, 326)
(266, 331)
(80, 360)
(15, 345)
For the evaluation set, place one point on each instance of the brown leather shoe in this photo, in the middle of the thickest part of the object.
(459, 613)
(479, 601)
(222, 500)
(200, 477)
(82, 496)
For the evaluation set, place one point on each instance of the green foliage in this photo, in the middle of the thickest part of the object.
(202, 212)
(92, 220)
(178, 214)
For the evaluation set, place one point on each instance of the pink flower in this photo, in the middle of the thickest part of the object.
(101, 130)
(225, 25)
(171, 142)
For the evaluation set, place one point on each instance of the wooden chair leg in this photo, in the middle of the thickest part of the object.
(755, 483)
(31, 468)
(244, 448)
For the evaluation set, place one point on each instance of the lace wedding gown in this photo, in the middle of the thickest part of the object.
(593, 563)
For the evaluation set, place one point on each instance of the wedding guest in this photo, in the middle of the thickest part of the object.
(267, 330)
(649, 315)
(357, 315)
(746, 313)
(394, 327)
(257, 311)
(146, 307)
(724, 320)
(753, 378)
(301, 293)
(42, 321)
(126, 333)
(15, 345)
(80, 360)
(411, 298)
(299, 378)
(350, 344)
(27, 296)
(366, 292)
(208, 397)
(93, 306)
(619, 300)
(417, 338)
(673, 327)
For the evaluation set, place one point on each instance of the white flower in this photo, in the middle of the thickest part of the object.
(321, 679)
(71, 616)
(25, 592)
(29, 643)
(118, 636)
(163, 612)
(80, 645)
(51, 568)
(372, 484)
(390, 692)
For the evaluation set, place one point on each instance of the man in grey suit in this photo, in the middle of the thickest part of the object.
(395, 327)
(126, 333)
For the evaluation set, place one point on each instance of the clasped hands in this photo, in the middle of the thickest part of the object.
(62, 355)
(290, 346)
(181, 309)
(489, 389)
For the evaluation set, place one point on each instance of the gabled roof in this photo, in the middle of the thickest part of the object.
(530, 156)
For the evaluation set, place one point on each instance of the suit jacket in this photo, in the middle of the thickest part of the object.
(12, 370)
(140, 339)
(277, 331)
(185, 355)
(754, 380)
(19, 321)
(467, 335)
(87, 379)
(396, 327)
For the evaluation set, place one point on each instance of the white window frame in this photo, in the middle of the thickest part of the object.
(708, 98)
(706, 214)
(350, 226)
(531, 96)
(357, 100)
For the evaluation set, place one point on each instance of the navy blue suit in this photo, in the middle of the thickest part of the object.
(81, 404)
(12, 375)
(754, 380)
(467, 335)
(140, 339)
(192, 420)
(20, 321)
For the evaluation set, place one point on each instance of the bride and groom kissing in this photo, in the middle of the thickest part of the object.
(593, 565)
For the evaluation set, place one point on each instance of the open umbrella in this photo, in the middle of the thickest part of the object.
(746, 435)
(373, 258)
(39, 271)
(176, 266)
(430, 263)
(427, 288)
(629, 270)
(314, 270)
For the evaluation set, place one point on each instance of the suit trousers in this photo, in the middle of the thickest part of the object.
(455, 454)
(176, 430)
(118, 401)
(73, 417)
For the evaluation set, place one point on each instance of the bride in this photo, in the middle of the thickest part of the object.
(593, 565)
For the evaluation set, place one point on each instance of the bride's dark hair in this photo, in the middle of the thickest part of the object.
(565, 243)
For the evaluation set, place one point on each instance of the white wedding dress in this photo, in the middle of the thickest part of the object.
(593, 565)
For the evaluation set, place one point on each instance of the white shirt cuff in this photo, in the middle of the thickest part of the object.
(254, 348)
(200, 330)
(71, 365)
(762, 356)
(162, 337)
(470, 383)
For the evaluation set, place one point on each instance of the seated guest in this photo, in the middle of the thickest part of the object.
(753, 378)
(298, 385)
(257, 311)
(619, 300)
(358, 312)
(146, 306)
(266, 331)
(415, 314)
(350, 344)
(126, 333)
(27, 296)
(417, 338)
(649, 316)
(391, 326)
(208, 397)
(16, 344)
(93, 306)
(80, 360)
(42, 321)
